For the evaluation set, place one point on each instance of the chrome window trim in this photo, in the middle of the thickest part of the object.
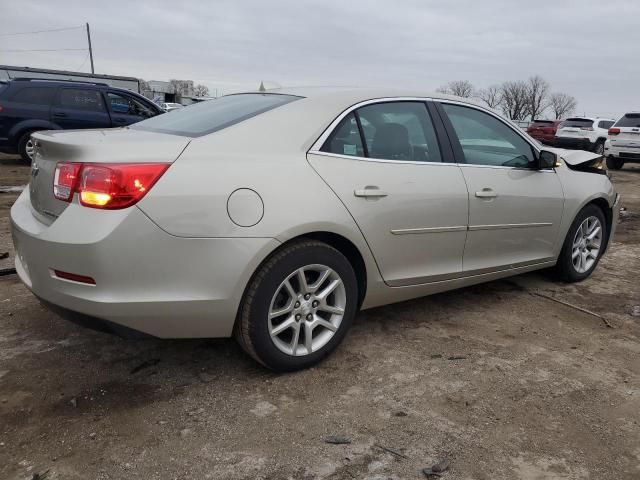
(379, 160)
(317, 145)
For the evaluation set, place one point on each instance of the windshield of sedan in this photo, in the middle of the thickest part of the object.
(213, 115)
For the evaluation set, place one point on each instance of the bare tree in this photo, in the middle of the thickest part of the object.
(562, 104)
(514, 99)
(201, 90)
(537, 96)
(459, 88)
(492, 96)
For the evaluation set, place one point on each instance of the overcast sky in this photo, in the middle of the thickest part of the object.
(589, 49)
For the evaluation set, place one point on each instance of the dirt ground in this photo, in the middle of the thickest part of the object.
(501, 382)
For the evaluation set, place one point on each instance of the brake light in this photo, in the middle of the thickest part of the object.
(64, 180)
(109, 185)
(614, 131)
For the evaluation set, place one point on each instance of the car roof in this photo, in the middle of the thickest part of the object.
(352, 95)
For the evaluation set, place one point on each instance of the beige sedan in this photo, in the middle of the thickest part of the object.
(274, 216)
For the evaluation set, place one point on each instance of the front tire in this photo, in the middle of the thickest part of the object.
(583, 246)
(298, 306)
(614, 163)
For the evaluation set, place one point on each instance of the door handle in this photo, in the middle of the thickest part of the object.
(59, 114)
(370, 191)
(486, 193)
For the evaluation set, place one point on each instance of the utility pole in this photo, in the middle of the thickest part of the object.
(90, 50)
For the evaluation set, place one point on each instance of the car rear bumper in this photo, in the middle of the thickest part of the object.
(575, 143)
(628, 154)
(145, 279)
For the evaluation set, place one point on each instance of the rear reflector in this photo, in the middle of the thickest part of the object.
(614, 131)
(74, 277)
(106, 185)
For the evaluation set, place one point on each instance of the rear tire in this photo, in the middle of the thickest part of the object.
(25, 146)
(614, 163)
(583, 246)
(599, 147)
(287, 321)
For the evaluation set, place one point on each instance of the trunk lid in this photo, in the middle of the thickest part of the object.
(575, 127)
(121, 145)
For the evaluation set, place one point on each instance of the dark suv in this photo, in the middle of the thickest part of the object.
(28, 105)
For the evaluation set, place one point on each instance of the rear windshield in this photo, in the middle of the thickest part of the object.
(213, 115)
(629, 120)
(577, 122)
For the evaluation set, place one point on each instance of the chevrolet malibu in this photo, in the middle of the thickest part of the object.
(274, 216)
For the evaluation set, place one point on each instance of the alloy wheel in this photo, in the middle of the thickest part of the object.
(29, 148)
(586, 244)
(306, 310)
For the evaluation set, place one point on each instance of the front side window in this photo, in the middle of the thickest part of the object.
(213, 115)
(80, 99)
(485, 140)
(34, 95)
(128, 105)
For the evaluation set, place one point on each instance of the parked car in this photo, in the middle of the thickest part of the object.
(623, 144)
(233, 217)
(583, 133)
(544, 130)
(167, 107)
(29, 105)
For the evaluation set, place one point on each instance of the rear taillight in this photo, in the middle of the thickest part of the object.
(64, 180)
(614, 131)
(107, 185)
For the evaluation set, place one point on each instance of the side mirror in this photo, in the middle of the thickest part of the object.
(547, 159)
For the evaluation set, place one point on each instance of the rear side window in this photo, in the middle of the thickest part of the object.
(577, 122)
(213, 115)
(34, 95)
(80, 99)
(400, 131)
(629, 120)
(605, 123)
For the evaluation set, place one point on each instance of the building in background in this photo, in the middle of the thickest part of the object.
(8, 72)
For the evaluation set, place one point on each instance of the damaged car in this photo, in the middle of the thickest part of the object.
(275, 216)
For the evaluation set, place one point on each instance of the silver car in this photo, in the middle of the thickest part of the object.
(274, 216)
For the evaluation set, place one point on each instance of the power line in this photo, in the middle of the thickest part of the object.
(82, 64)
(40, 31)
(46, 50)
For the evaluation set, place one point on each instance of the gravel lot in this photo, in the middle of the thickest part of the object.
(503, 383)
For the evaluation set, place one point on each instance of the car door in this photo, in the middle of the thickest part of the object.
(514, 208)
(385, 162)
(80, 107)
(125, 109)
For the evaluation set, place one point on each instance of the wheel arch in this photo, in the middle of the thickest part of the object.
(603, 205)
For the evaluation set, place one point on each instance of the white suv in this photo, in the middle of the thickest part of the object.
(583, 133)
(623, 144)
